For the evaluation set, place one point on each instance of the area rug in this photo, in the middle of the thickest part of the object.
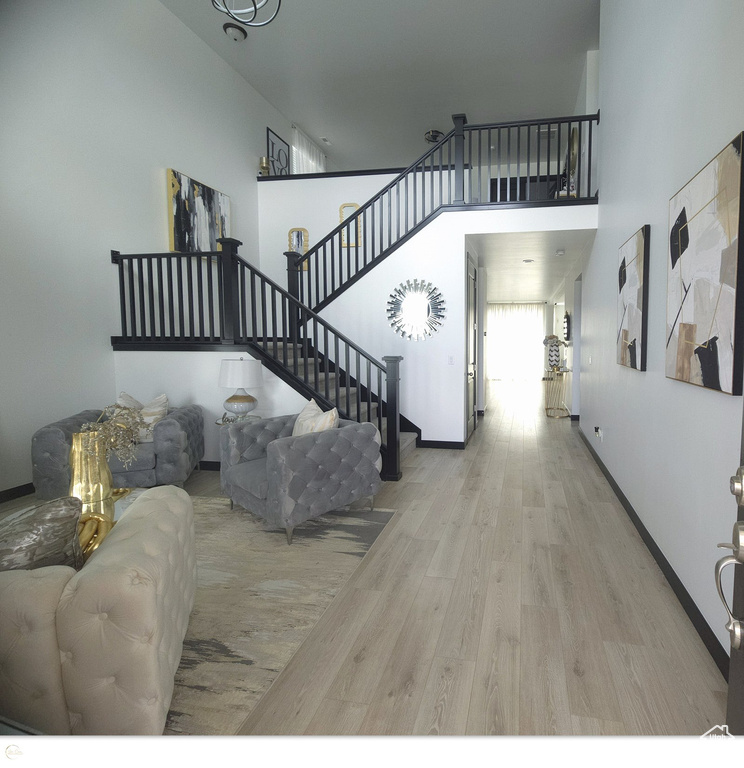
(257, 598)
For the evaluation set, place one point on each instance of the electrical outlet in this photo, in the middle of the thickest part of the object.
(450, 360)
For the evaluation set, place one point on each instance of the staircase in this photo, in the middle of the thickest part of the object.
(217, 300)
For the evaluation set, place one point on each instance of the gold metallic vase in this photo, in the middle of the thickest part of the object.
(90, 476)
(91, 482)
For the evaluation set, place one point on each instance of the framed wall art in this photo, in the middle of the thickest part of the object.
(277, 151)
(632, 300)
(197, 215)
(349, 237)
(704, 333)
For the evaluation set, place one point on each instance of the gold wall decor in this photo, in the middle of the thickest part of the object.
(299, 239)
(346, 210)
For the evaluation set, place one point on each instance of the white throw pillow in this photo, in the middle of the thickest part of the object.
(151, 412)
(312, 419)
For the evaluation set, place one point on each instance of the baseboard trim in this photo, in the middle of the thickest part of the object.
(716, 650)
(17, 492)
(440, 444)
(212, 466)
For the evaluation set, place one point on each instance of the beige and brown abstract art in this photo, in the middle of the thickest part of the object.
(704, 336)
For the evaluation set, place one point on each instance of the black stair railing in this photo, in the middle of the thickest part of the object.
(525, 163)
(217, 299)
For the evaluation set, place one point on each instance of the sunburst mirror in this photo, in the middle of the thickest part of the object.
(416, 309)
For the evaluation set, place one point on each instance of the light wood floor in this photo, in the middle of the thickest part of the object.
(509, 594)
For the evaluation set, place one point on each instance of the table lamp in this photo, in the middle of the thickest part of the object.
(242, 374)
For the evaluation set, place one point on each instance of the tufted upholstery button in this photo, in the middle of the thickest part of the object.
(102, 616)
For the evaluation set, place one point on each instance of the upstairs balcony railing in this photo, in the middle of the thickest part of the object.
(525, 163)
(217, 300)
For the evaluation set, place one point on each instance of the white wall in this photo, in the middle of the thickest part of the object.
(285, 204)
(98, 99)
(671, 97)
(432, 389)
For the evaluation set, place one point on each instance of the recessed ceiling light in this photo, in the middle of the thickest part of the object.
(560, 252)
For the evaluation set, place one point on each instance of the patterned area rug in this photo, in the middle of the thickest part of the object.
(256, 600)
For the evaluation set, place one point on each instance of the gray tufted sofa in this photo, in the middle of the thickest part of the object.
(176, 449)
(287, 480)
(96, 651)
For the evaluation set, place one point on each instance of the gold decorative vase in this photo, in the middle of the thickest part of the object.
(90, 476)
(91, 482)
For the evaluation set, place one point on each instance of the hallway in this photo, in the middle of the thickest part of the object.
(510, 594)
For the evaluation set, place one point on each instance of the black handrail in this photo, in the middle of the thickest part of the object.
(524, 162)
(215, 299)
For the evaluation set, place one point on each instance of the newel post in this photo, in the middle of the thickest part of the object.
(293, 288)
(391, 460)
(230, 304)
(459, 121)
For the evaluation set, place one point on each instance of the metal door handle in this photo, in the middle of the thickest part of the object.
(734, 626)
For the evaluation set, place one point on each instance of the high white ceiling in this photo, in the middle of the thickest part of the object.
(374, 76)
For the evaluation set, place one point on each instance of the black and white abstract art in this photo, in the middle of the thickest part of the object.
(704, 336)
(198, 215)
(632, 300)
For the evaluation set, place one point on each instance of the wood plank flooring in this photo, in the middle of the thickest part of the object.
(491, 605)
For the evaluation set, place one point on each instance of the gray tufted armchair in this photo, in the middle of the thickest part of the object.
(286, 480)
(176, 449)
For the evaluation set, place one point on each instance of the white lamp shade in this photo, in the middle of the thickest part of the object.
(246, 373)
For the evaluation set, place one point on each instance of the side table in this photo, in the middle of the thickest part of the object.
(555, 393)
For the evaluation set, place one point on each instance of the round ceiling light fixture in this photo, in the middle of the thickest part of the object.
(415, 310)
(432, 137)
(234, 32)
(249, 16)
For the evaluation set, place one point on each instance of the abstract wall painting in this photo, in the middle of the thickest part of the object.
(632, 300)
(705, 294)
(198, 215)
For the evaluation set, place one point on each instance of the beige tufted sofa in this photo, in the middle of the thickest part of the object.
(95, 651)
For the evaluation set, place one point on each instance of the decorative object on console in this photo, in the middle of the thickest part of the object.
(553, 343)
(197, 215)
(278, 152)
(632, 300)
(242, 374)
(705, 320)
(263, 167)
(249, 16)
(416, 309)
(349, 240)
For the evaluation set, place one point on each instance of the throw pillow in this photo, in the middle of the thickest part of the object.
(312, 419)
(41, 536)
(151, 412)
